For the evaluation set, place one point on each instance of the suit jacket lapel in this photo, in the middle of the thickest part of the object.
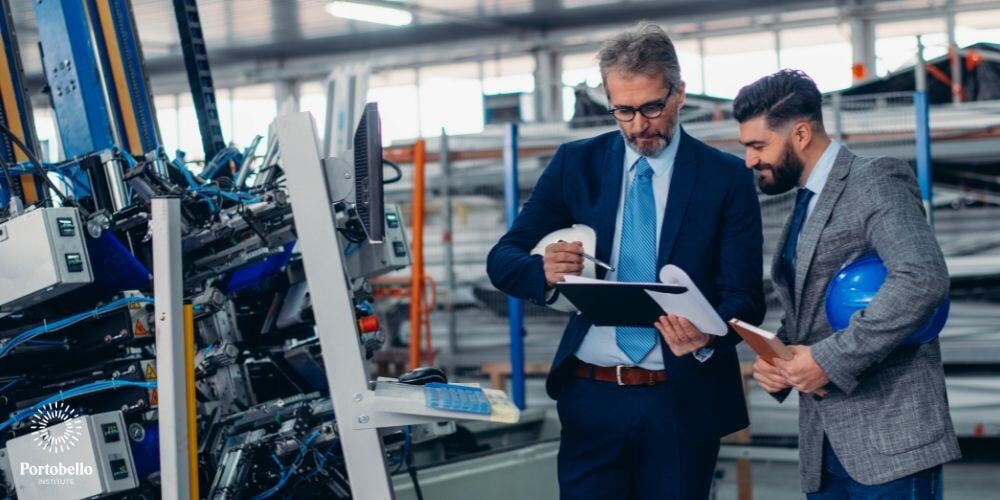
(778, 277)
(611, 191)
(817, 221)
(682, 181)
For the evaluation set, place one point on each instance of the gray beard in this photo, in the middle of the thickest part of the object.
(649, 152)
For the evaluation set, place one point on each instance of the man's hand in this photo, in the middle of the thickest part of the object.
(802, 371)
(768, 377)
(561, 259)
(681, 336)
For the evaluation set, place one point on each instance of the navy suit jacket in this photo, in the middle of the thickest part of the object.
(711, 230)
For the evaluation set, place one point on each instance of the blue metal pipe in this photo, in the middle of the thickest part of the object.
(921, 107)
(515, 307)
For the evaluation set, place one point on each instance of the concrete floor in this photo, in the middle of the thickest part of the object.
(965, 480)
(780, 481)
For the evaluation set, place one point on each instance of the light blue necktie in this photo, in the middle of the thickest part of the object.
(637, 254)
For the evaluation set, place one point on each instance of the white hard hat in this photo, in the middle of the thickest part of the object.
(578, 232)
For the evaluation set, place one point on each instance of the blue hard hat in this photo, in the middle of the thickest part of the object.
(856, 285)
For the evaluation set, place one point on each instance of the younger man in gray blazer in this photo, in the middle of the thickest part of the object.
(873, 414)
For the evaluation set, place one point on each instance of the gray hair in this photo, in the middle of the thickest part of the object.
(643, 50)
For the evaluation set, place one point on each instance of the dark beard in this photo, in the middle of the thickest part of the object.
(786, 174)
(649, 152)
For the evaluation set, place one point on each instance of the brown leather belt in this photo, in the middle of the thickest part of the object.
(621, 375)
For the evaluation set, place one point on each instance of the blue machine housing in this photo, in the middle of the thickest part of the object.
(74, 78)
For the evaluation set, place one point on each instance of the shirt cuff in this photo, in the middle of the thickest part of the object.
(703, 354)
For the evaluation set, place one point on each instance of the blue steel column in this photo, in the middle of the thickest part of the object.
(515, 307)
(921, 106)
(74, 78)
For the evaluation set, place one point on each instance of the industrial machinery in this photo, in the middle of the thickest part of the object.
(272, 261)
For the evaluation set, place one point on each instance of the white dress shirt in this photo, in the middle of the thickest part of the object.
(819, 175)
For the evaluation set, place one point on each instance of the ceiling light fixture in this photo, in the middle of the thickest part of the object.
(372, 12)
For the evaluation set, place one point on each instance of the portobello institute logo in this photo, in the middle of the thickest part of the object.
(56, 427)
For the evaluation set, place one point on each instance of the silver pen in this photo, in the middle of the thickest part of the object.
(593, 259)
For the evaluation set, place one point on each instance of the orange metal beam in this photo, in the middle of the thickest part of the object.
(417, 241)
(405, 154)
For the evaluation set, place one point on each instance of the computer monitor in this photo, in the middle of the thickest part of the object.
(368, 174)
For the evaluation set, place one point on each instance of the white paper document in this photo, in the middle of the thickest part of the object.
(690, 304)
(569, 278)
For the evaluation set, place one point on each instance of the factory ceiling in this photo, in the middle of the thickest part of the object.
(265, 32)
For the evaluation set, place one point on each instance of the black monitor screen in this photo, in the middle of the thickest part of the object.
(368, 173)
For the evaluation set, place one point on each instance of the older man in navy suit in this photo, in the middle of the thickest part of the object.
(642, 409)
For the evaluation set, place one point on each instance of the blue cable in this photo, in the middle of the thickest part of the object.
(65, 322)
(11, 384)
(221, 158)
(60, 170)
(99, 386)
(406, 448)
(198, 188)
(46, 342)
(287, 474)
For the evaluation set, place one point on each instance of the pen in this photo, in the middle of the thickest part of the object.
(593, 259)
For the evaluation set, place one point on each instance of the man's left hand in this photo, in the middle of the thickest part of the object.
(681, 336)
(802, 371)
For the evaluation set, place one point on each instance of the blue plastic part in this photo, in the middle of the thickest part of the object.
(453, 397)
(855, 286)
(922, 136)
(515, 308)
(115, 268)
(257, 273)
(146, 453)
(74, 78)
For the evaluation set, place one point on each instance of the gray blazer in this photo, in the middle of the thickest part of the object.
(886, 413)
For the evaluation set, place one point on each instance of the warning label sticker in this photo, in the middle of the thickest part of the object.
(149, 370)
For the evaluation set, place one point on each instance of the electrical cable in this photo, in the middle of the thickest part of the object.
(199, 188)
(65, 322)
(287, 474)
(10, 179)
(99, 386)
(399, 172)
(38, 165)
(10, 384)
(412, 470)
(404, 453)
(353, 236)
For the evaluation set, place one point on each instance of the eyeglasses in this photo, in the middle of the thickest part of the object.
(649, 110)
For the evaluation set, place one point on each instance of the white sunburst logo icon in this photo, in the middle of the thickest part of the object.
(56, 440)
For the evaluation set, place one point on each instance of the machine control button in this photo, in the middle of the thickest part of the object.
(66, 226)
(119, 469)
(399, 248)
(111, 432)
(74, 262)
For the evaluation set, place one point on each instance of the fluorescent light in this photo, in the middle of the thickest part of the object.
(360, 11)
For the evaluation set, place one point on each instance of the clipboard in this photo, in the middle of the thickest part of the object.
(616, 303)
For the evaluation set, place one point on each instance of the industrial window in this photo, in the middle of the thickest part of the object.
(823, 52)
(896, 43)
(396, 94)
(578, 69)
(978, 26)
(689, 57)
(734, 61)
(312, 98)
(451, 97)
(254, 108)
